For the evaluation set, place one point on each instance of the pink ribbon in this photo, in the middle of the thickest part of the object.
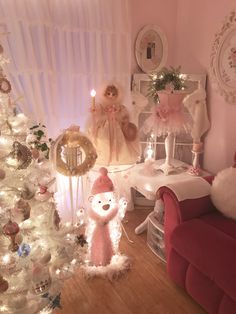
(194, 171)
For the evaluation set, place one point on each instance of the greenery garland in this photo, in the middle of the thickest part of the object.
(40, 142)
(166, 79)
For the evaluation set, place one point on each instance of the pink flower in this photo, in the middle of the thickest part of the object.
(163, 112)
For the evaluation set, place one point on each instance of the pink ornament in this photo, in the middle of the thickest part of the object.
(43, 194)
(11, 229)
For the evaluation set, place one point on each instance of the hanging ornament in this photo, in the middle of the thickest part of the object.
(5, 85)
(20, 157)
(41, 279)
(24, 250)
(43, 194)
(10, 230)
(67, 154)
(3, 284)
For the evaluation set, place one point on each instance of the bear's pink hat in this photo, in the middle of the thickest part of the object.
(103, 183)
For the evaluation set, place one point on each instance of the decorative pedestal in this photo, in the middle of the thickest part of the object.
(171, 120)
(167, 167)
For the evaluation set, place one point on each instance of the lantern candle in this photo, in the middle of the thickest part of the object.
(93, 94)
(149, 153)
(149, 150)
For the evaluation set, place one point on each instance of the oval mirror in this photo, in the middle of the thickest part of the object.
(151, 49)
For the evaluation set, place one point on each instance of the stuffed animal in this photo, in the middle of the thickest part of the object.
(105, 214)
(223, 191)
(110, 128)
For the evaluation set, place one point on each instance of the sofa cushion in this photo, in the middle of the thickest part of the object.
(209, 244)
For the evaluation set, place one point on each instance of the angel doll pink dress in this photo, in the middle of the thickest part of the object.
(114, 136)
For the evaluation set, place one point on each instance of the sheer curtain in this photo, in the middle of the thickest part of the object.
(60, 50)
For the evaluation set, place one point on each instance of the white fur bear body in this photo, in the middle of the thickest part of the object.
(103, 230)
(223, 192)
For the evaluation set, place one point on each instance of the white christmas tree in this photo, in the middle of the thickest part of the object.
(37, 252)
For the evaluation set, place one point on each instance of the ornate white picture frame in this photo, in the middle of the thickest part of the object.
(223, 59)
(151, 48)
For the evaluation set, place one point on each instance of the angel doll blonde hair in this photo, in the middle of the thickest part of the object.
(110, 92)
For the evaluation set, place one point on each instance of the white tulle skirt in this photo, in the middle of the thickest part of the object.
(168, 116)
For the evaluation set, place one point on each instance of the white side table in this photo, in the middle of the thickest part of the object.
(148, 185)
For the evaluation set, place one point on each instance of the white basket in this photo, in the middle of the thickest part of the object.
(155, 237)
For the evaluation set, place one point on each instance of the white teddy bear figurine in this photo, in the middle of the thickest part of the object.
(104, 225)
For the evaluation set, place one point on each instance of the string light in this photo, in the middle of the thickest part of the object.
(6, 258)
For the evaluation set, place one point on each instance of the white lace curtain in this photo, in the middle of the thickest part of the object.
(61, 49)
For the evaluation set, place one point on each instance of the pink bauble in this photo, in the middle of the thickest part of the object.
(10, 228)
(43, 196)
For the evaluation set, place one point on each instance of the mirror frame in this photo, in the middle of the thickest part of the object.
(223, 59)
(148, 39)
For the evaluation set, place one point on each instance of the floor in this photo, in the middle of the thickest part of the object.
(145, 289)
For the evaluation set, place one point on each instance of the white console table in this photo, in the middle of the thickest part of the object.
(148, 185)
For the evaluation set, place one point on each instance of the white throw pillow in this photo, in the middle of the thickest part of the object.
(223, 192)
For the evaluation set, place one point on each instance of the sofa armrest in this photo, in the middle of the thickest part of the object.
(177, 212)
(186, 209)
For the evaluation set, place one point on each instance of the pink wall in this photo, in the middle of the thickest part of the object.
(159, 12)
(190, 27)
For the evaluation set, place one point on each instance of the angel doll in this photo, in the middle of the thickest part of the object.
(114, 136)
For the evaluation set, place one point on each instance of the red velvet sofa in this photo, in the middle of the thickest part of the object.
(200, 246)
